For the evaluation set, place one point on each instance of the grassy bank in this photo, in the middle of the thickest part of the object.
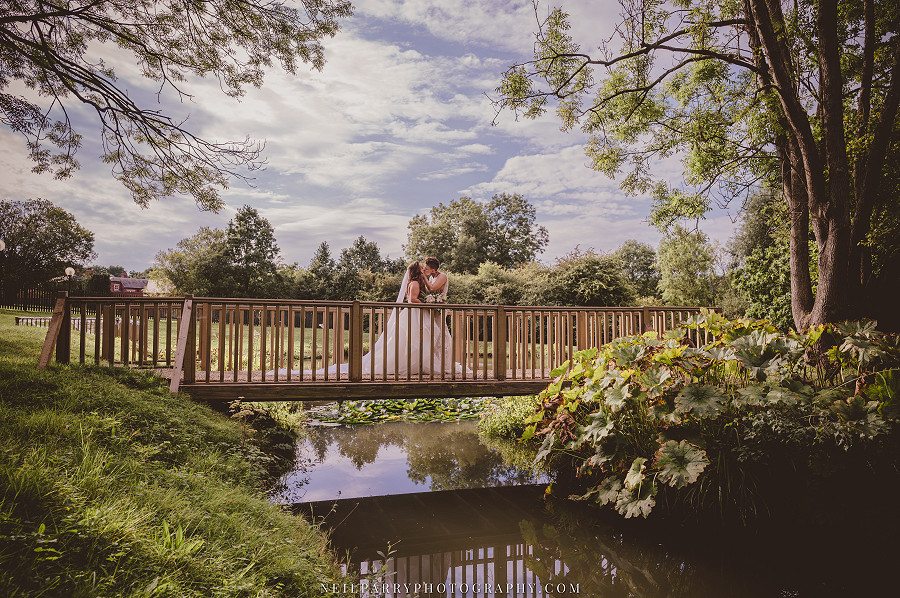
(110, 486)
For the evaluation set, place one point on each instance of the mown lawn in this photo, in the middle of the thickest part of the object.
(110, 486)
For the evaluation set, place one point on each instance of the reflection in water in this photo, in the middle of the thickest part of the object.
(479, 528)
(395, 458)
(502, 542)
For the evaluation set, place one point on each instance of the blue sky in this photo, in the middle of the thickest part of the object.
(396, 122)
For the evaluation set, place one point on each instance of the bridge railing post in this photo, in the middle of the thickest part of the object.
(356, 342)
(646, 320)
(581, 331)
(185, 352)
(64, 340)
(54, 330)
(500, 357)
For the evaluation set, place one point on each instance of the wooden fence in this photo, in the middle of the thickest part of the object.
(32, 299)
(239, 344)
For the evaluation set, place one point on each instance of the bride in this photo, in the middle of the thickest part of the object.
(397, 349)
(405, 328)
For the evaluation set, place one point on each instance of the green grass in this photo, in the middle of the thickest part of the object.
(110, 486)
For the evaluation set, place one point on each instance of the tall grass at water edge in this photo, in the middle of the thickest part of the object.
(110, 486)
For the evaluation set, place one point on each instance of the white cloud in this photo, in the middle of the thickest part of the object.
(395, 122)
(475, 148)
(467, 23)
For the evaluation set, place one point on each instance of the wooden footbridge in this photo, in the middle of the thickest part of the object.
(223, 349)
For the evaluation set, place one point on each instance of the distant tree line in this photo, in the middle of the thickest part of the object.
(244, 261)
(750, 276)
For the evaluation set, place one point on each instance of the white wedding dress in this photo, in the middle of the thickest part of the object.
(397, 350)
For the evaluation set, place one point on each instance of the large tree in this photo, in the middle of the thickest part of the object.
(685, 261)
(198, 265)
(801, 96)
(41, 240)
(465, 234)
(639, 267)
(252, 253)
(52, 59)
(322, 270)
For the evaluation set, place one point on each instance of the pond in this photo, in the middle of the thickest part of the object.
(342, 462)
(460, 518)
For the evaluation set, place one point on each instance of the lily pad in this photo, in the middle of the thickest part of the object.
(680, 463)
(701, 400)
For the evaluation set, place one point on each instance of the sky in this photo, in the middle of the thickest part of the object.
(398, 120)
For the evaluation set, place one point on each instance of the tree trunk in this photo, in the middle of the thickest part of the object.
(813, 196)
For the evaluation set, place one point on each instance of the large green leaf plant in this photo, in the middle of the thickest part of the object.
(692, 415)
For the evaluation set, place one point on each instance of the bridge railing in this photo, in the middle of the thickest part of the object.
(214, 340)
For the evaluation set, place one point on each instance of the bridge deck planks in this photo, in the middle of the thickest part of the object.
(333, 390)
(308, 388)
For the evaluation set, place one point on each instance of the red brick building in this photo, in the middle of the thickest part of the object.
(129, 287)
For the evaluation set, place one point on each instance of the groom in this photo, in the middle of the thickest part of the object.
(436, 279)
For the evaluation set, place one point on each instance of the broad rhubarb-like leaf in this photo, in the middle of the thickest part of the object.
(751, 395)
(598, 428)
(638, 502)
(608, 490)
(635, 474)
(616, 396)
(680, 463)
(702, 401)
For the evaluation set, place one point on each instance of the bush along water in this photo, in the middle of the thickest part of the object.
(750, 422)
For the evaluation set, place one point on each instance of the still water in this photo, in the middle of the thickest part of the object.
(460, 518)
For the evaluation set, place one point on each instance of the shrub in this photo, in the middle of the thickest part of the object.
(719, 425)
(505, 417)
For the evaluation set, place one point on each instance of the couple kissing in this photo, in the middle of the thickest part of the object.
(425, 284)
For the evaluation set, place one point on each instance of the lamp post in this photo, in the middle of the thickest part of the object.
(70, 272)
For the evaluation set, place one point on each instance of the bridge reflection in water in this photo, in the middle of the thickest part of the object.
(505, 536)
(450, 543)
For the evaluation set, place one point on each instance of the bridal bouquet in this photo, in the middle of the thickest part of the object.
(434, 298)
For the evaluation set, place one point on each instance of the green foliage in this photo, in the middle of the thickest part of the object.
(198, 265)
(587, 278)
(702, 423)
(765, 281)
(42, 240)
(374, 411)
(580, 278)
(639, 267)
(242, 261)
(464, 234)
(502, 418)
(685, 261)
(361, 272)
(322, 271)
(744, 95)
(53, 66)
